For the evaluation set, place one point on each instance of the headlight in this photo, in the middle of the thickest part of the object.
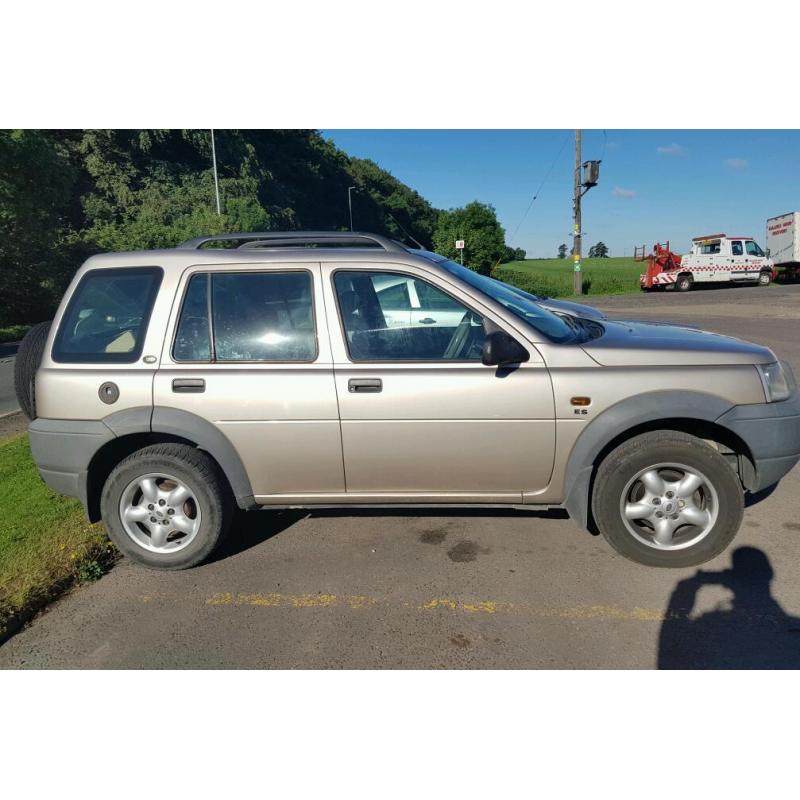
(776, 384)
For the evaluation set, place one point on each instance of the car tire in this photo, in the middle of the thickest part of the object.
(26, 364)
(765, 278)
(180, 532)
(703, 523)
(684, 283)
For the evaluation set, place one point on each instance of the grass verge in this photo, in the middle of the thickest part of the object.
(553, 277)
(46, 544)
(13, 333)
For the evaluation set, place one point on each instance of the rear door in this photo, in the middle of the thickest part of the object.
(422, 419)
(249, 353)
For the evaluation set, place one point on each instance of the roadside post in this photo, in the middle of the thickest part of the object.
(460, 246)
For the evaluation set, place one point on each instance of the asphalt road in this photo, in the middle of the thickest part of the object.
(457, 590)
(8, 400)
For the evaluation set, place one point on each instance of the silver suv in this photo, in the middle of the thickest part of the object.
(313, 370)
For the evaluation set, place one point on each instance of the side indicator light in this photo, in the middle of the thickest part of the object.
(581, 401)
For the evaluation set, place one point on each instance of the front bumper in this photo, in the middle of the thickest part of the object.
(772, 432)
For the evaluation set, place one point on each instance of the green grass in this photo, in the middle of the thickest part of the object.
(46, 544)
(553, 276)
(13, 333)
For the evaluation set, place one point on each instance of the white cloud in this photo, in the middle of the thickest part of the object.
(673, 149)
(627, 194)
(736, 163)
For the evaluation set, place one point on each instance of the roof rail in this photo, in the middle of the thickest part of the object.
(279, 239)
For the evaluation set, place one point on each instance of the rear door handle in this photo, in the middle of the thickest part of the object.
(365, 385)
(427, 321)
(188, 385)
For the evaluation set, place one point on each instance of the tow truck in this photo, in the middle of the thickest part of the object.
(717, 258)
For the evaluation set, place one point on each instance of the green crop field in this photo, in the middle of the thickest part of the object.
(552, 277)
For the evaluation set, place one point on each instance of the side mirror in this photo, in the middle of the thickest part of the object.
(500, 350)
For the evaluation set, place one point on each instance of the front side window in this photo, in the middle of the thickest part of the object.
(753, 249)
(433, 299)
(106, 319)
(376, 332)
(256, 316)
(736, 248)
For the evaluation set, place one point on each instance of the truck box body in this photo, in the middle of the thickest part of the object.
(783, 238)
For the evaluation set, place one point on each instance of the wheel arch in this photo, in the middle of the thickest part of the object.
(695, 413)
(132, 432)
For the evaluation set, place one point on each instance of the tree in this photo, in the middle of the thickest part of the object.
(36, 185)
(599, 251)
(66, 194)
(591, 252)
(562, 251)
(519, 254)
(477, 224)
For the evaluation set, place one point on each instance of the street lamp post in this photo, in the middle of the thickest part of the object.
(216, 178)
(350, 204)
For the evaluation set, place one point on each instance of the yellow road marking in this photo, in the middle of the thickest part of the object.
(446, 604)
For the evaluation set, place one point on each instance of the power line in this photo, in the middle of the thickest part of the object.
(536, 195)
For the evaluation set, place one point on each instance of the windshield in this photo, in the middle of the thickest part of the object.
(519, 303)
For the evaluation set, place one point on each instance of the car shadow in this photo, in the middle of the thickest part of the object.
(251, 528)
(751, 631)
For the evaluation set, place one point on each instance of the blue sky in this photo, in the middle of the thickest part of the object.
(654, 185)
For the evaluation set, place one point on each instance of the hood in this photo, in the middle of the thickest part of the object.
(656, 344)
(574, 309)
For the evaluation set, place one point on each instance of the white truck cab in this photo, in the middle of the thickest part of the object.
(727, 258)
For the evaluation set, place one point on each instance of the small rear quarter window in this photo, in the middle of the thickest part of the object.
(107, 316)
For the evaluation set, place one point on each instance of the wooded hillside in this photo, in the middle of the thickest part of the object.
(67, 194)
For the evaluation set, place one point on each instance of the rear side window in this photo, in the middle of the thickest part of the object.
(256, 316)
(106, 318)
(193, 339)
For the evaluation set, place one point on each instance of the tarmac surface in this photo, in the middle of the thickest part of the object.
(457, 590)
(8, 400)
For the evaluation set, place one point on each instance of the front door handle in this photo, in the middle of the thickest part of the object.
(188, 385)
(365, 385)
(427, 321)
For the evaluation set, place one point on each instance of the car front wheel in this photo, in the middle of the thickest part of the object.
(166, 506)
(667, 499)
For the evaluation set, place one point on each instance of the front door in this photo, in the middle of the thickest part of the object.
(422, 419)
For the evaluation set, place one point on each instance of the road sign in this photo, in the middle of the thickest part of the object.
(459, 244)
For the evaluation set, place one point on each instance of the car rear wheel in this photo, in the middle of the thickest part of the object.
(667, 499)
(166, 506)
(683, 283)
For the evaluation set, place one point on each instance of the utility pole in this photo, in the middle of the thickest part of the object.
(216, 177)
(350, 204)
(583, 182)
(577, 283)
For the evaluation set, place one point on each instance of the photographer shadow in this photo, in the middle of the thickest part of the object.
(752, 632)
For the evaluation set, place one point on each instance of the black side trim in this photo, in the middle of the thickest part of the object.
(616, 420)
(213, 441)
